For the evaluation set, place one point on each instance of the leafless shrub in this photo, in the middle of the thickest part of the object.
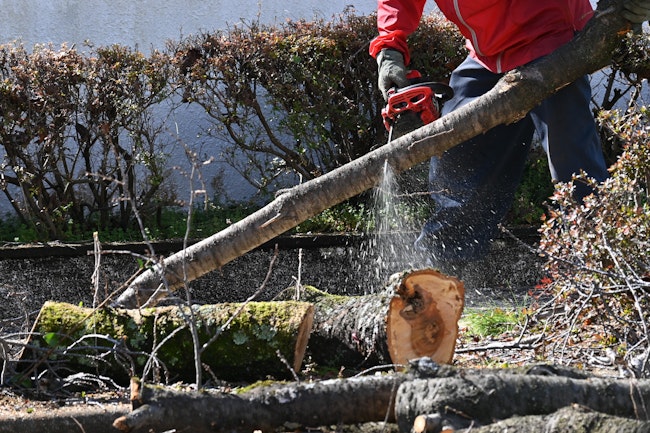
(599, 259)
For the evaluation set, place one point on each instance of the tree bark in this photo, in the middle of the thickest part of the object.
(572, 419)
(514, 95)
(345, 401)
(469, 399)
(87, 418)
(415, 315)
(118, 342)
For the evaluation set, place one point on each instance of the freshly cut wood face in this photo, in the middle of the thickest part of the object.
(423, 316)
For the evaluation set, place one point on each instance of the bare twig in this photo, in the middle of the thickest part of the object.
(527, 343)
(94, 278)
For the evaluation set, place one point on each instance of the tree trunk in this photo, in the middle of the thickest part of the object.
(254, 340)
(416, 315)
(515, 95)
(482, 398)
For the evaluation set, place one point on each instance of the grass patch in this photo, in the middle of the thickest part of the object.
(493, 322)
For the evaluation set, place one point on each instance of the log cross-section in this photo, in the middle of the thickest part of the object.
(423, 316)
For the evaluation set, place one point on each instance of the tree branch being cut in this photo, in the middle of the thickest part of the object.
(514, 95)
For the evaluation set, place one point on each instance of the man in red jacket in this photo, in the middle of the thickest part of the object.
(474, 183)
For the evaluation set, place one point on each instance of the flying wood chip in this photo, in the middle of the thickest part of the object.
(423, 316)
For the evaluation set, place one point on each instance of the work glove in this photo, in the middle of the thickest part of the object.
(392, 71)
(636, 11)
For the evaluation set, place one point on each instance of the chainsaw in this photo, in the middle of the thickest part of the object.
(411, 107)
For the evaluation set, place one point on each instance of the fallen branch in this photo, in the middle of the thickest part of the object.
(346, 401)
(571, 419)
(462, 397)
(528, 343)
(82, 418)
(483, 398)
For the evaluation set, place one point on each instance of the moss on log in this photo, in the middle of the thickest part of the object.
(119, 342)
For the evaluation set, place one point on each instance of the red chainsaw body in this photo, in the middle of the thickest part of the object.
(422, 98)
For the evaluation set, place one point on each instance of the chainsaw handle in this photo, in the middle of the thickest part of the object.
(442, 91)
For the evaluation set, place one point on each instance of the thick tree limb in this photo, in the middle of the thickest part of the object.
(305, 404)
(515, 95)
(416, 315)
(484, 398)
(84, 418)
(571, 419)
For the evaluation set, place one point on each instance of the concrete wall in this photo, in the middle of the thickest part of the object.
(148, 23)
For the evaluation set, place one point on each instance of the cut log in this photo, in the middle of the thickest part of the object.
(344, 401)
(95, 418)
(118, 342)
(416, 315)
(482, 399)
(431, 423)
(517, 92)
(423, 317)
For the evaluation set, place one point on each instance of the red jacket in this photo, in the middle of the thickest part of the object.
(501, 34)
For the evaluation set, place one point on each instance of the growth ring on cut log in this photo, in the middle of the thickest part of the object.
(423, 316)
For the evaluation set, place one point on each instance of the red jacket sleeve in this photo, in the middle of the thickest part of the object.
(396, 20)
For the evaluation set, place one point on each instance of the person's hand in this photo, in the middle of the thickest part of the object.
(636, 11)
(392, 71)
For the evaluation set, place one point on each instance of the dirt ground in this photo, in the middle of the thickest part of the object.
(104, 404)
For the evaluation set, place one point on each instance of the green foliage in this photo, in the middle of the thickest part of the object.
(533, 191)
(492, 322)
(170, 223)
(84, 149)
(599, 250)
(344, 217)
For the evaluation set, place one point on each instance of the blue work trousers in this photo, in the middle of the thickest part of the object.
(473, 184)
